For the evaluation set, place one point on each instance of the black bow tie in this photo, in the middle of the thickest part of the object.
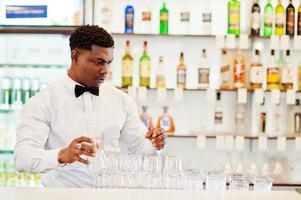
(79, 90)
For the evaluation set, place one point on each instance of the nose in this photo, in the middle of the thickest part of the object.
(104, 69)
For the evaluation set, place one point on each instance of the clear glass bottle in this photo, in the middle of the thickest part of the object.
(160, 74)
(146, 17)
(203, 71)
(145, 118)
(145, 68)
(181, 72)
(127, 66)
(261, 118)
(184, 23)
(279, 120)
(287, 73)
(297, 118)
(218, 114)
(239, 72)
(256, 71)
(240, 115)
(166, 121)
(207, 19)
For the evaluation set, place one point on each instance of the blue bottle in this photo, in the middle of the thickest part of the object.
(129, 19)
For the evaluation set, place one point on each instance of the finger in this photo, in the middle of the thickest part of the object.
(81, 160)
(82, 139)
(87, 153)
(159, 145)
(159, 136)
(89, 147)
(149, 134)
(158, 132)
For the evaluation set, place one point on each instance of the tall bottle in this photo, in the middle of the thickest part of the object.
(226, 71)
(207, 19)
(25, 90)
(273, 73)
(290, 19)
(129, 19)
(299, 20)
(279, 120)
(203, 71)
(218, 113)
(262, 118)
(146, 18)
(299, 76)
(255, 19)
(297, 117)
(181, 72)
(166, 121)
(240, 115)
(268, 19)
(280, 19)
(164, 19)
(184, 19)
(256, 71)
(145, 68)
(287, 73)
(234, 17)
(145, 118)
(127, 66)
(16, 102)
(5, 91)
(239, 72)
(35, 86)
(160, 74)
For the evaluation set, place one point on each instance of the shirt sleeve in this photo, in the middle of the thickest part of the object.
(30, 154)
(133, 132)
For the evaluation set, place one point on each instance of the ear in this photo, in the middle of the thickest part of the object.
(74, 55)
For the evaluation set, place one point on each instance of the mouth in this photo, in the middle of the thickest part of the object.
(100, 80)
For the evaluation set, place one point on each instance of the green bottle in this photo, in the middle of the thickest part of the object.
(268, 19)
(234, 17)
(164, 19)
(145, 62)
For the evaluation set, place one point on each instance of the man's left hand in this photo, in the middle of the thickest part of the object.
(157, 137)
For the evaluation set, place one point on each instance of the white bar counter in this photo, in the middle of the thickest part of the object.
(133, 194)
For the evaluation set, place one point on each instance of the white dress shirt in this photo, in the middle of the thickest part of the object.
(53, 118)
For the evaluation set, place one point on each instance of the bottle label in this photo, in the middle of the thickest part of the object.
(279, 20)
(145, 69)
(146, 16)
(256, 75)
(129, 20)
(262, 123)
(206, 17)
(268, 21)
(225, 74)
(127, 70)
(218, 117)
(163, 17)
(204, 76)
(287, 75)
(239, 70)
(184, 16)
(273, 76)
(234, 18)
(160, 81)
(181, 76)
(255, 20)
(290, 21)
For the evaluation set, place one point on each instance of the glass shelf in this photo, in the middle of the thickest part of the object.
(288, 137)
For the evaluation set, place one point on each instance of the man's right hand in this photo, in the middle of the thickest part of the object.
(80, 146)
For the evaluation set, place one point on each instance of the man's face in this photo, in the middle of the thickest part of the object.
(91, 66)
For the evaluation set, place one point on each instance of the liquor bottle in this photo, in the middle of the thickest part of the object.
(146, 18)
(127, 67)
(240, 115)
(16, 101)
(6, 85)
(297, 117)
(184, 19)
(226, 71)
(25, 90)
(145, 118)
(290, 19)
(35, 86)
(218, 113)
(207, 19)
(262, 116)
(234, 17)
(268, 19)
(203, 71)
(287, 73)
(145, 63)
(181, 72)
(160, 74)
(106, 12)
(256, 71)
(299, 77)
(239, 72)
(280, 19)
(299, 20)
(164, 19)
(129, 19)
(273, 73)
(166, 122)
(279, 120)
(255, 19)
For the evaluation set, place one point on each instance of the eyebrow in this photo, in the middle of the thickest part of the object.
(104, 60)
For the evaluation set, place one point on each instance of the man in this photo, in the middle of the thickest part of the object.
(58, 126)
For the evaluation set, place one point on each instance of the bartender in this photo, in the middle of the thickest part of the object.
(59, 126)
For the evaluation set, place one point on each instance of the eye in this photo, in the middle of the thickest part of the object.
(101, 63)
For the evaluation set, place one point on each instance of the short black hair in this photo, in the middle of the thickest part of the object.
(85, 36)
